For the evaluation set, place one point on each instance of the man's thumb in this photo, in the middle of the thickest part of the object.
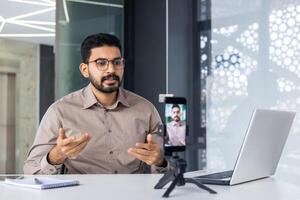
(61, 134)
(150, 139)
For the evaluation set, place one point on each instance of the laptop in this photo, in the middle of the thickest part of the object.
(261, 149)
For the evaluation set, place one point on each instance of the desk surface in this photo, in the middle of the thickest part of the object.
(140, 186)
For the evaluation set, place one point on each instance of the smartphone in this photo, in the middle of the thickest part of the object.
(10, 176)
(175, 129)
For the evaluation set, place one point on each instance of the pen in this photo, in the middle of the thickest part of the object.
(38, 181)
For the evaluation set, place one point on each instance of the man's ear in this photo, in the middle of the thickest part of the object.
(84, 70)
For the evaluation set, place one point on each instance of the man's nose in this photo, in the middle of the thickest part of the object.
(110, 68)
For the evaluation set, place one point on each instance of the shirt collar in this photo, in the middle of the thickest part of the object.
(122, 97)
(89, 98)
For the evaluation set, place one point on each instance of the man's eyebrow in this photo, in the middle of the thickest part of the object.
(107, 59)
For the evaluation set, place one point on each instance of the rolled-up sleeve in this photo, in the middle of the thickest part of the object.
(47, 133)
(155, 122)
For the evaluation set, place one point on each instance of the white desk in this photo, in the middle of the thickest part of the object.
(140, 186)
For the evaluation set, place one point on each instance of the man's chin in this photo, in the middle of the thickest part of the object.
(108, 90)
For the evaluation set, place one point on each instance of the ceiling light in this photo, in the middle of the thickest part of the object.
(66, 11)
(98, 3)
(32, 13)
(47, 3)
(35, 22)
(2, 25)
(31, 26)
(29, 35)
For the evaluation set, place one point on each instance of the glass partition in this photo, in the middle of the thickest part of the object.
(77, 19)
(254, 63)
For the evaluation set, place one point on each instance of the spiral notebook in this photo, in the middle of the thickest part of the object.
(40, 182)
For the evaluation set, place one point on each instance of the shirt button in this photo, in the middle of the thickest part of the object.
(115, 171)
(111, 152)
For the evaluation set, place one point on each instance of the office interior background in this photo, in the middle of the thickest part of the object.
(226, 57)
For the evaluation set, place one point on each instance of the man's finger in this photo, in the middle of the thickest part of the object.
(88, 136)
(72, 140)
(142, 152)
(144, 146)
(67, 141)
(138, 156)
(77, 149)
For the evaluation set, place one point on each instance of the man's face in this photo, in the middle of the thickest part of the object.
(176, 114)
(109, 80)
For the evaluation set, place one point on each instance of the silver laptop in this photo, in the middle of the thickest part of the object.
(261, 149)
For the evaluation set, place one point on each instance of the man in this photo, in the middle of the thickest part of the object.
(101, 128)
(176, 129)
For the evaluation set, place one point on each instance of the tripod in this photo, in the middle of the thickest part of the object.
(177, 177)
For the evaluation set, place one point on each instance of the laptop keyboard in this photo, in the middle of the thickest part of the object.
(219, 175)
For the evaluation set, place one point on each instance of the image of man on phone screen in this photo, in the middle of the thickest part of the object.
(176, 128)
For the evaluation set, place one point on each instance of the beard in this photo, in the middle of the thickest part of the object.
(176, 119)
(107, 89)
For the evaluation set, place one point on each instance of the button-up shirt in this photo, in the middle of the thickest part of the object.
(176, 133)
(113, 131)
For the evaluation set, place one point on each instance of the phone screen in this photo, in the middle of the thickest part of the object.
(175, 120)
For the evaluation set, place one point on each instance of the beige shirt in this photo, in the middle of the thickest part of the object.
(176, 133)
(114, 130)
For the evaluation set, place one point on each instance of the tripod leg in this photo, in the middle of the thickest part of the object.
(168, 177)
(200, 185)
(171, 187)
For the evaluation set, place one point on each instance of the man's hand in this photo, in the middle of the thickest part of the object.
(149, 152)
(67, 147)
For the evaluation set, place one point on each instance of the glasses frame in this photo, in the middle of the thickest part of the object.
(108, 61)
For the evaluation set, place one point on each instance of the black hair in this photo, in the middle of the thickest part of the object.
(175, 106)
(98, 40)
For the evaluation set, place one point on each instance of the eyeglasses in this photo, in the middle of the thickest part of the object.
(103, 63)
